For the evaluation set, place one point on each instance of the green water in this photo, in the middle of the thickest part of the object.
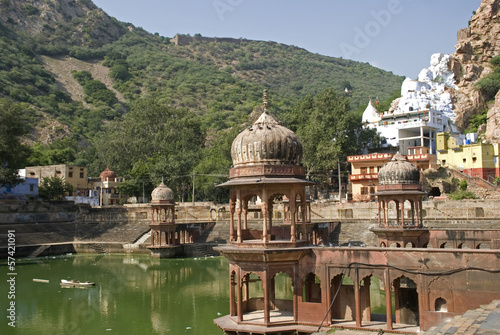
(135, 294)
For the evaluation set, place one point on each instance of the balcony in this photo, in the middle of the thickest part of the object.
(365, 176)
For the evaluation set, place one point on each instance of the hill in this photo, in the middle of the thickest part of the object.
(78, 73)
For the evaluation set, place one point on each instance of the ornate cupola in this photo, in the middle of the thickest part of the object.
(400, 174)
(266, 149)
(107, 175)
(162, 194)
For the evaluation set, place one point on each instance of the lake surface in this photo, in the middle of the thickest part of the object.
(135, 294)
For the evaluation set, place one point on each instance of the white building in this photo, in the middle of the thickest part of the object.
(423, 110)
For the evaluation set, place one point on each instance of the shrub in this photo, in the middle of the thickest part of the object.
(462, 185)
(54, 188)
(86, 53)
(460, 195)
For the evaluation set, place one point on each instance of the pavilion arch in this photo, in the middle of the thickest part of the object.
(282, 292)
(311, 288)
(344, 306)
(482, 246)
(440, 305)
(406, 301)
(252, 293)
(464, 245)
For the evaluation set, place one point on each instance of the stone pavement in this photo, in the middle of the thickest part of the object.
(482, 321)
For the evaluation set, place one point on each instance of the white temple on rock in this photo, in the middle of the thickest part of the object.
(423, 110)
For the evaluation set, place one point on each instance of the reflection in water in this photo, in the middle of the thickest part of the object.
(135, 294)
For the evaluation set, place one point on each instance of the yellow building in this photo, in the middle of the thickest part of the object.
(74, 175)
(475, 160)
(364, 169)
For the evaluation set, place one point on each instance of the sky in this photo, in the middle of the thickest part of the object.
(395, 35)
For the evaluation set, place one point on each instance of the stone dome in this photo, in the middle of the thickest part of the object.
(162, 193)
(266, 142)
(398, 171)
(107, 174)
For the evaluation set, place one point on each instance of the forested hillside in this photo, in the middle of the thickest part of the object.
(85, 81)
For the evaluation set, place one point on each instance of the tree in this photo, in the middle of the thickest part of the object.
(329, 131)
(54, 188)
(156, 138)
(12, 152)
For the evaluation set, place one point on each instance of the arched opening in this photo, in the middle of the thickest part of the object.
(446, 245)
(406, 300)
(482, 246)
(282, 294)
(410, 245)
(435, 192)
(378, 310)
(395, 245)
(343, 307)
(440, 305)
(311, 288)
(252, 293)
(464, 245)
(382, 245)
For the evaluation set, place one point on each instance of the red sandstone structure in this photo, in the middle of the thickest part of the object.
(166, 235)
(281, 283)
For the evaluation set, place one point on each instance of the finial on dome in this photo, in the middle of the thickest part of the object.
(265, 100)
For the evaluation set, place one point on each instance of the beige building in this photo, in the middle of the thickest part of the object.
(73, 174)
(364, 169)
(107, 185)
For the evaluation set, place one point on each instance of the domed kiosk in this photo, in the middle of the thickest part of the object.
(163, 228)
(267, 164)
(399, 181)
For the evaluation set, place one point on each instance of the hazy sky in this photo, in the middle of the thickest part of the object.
(394, 35)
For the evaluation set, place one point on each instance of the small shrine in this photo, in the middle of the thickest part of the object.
(163, 227)
(267, 164)
(399, 182)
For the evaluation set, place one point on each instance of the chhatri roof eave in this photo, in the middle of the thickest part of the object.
(253, 181)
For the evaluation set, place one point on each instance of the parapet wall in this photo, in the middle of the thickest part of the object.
(182, 40)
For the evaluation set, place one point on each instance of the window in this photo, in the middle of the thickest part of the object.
(363, 170)
(464, 160)
(474, 159)
(372, 189)
(32, 187)
(372, 169)
(444, 161)
(364, 190)
(70, 174)
(81, 174)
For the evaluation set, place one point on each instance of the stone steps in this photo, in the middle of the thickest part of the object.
(484, 320)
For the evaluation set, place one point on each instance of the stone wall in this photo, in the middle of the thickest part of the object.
(38, 223)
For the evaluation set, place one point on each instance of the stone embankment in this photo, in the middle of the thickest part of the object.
(119, 228)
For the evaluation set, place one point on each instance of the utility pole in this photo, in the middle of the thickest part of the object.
(340, 185)
(194, 177)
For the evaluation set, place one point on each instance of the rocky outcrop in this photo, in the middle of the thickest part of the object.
(476, 45)
(71, 22)
(493, 124)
